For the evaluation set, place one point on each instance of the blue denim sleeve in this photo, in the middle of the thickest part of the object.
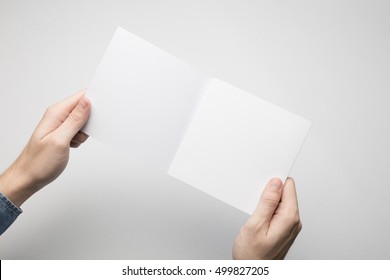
(8, 213)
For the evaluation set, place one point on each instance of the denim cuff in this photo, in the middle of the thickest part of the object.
(8, 213)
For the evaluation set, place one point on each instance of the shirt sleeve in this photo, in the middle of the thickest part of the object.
(8, 213)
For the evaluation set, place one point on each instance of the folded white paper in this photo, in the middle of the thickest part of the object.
(203, 131)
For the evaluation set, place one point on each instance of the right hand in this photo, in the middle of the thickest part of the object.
(274, 225)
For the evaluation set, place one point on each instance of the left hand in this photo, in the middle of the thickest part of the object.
(47, 152)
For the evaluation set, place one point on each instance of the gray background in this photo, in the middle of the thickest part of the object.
(327, 61)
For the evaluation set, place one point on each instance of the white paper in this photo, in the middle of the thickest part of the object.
(203, 131)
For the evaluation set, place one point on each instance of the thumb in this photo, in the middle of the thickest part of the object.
(75, 121)
(268, 202)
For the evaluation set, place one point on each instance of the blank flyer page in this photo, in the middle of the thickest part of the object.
(235, 143)
(152, 106)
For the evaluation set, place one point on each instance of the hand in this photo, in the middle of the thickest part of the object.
(273, 227)
(47, 152)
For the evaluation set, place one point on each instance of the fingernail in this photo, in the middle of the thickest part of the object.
(83, 103)
(276, 186)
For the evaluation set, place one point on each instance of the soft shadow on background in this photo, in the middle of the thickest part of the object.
(327, 61)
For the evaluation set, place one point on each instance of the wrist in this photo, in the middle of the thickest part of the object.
(15, 185)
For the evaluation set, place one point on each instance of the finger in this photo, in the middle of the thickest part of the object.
(56, 114)
(75, 121)
(289, 196)
(80, 137)
(268, 202)
(63, 108)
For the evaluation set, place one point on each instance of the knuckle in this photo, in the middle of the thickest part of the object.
(250, 228)
(294, 219)
(247, 228)
(76, 116)
(57, 143)
(270, 202)
(50, 110)
(253, 228)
